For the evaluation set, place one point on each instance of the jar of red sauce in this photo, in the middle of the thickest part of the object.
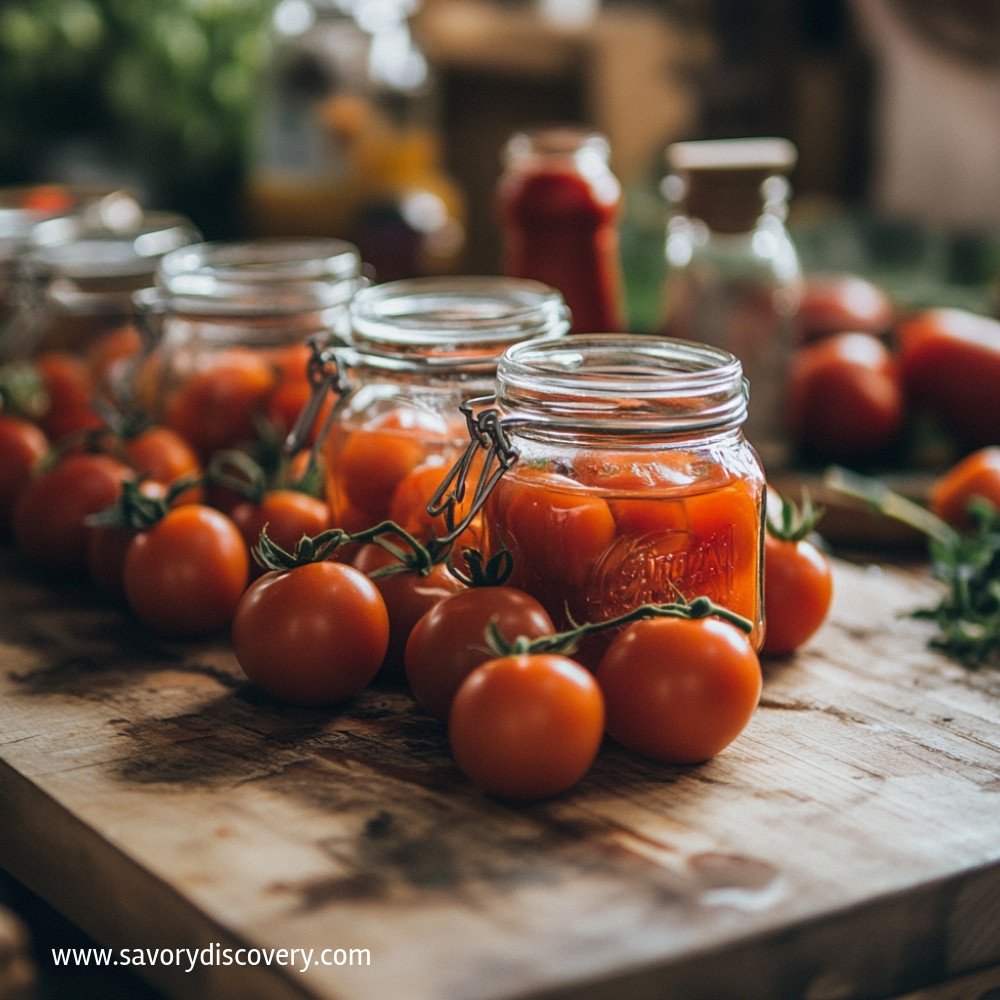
(229, 329)
(629, 479)
(419, 347)
(559, 206)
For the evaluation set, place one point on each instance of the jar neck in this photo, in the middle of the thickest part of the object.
(617, 385)
(453, 324)
(260, 279)
(730, 185)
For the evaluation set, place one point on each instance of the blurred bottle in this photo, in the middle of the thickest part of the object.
(733, 278)
(348, 145)
(559, 206)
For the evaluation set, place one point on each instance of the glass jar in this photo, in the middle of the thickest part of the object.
(732, 271)
(229, 329)
(559, 206)
(75, 277)
(23, 207)
(348, 141)
(628, 479)
(419, 349)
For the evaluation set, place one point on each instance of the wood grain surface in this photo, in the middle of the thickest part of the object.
(848, 843)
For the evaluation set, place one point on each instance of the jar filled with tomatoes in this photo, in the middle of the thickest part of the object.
(74, 279)
(419, 347)
(629, 479)
(559, 205)
(229, 327)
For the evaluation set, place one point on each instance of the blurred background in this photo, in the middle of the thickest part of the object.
(255, 118)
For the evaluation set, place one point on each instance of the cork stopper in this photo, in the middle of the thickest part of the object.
(728, 183)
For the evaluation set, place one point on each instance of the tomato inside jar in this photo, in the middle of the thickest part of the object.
(633, 482)
(419, 348)
(229, 328)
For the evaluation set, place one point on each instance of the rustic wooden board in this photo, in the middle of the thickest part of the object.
(847, 844)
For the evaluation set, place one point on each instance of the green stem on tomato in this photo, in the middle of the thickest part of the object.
(565, 642)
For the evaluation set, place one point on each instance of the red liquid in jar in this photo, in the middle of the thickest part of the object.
(592, 552)
(560, 227)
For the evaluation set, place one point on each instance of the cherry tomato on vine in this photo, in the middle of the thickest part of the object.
(313, 635)
(448, 642)
(976, 475)
(286, 513)
(185, 575)
(49, 518)
(798, 580)
(107, 545)
(22, 446)
(161, 453)
(526, 726)
(679, 690)
(408, 595)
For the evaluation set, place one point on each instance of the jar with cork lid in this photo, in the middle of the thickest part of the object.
(733, 278)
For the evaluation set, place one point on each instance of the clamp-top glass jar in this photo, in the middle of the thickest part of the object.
(75, 278)
(230, 327)
(732, 271)
(629, 479)
(420, 347)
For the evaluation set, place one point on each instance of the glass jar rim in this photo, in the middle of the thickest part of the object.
(622, 383)
(78, 249)
(260, 277)
(454, 320)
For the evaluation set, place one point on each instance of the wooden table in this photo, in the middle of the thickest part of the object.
(848, 844)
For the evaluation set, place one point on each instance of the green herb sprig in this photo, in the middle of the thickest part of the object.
(967, 563)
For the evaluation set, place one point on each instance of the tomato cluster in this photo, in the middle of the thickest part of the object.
(194, 538)
(871, 383)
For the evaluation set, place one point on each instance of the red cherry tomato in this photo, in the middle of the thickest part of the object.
(22, 446)
(526, 726)
(107, 545)
(845, 399)
(842, 303)
(185, 575)
(313, 635)
(215, 407)
(679, 690)
(408, 595)
(448, 642)
(69, 389)
(798, 592)
(287, 515)
(161, 453)
(950, 364)
(976, 475)
(49, 517)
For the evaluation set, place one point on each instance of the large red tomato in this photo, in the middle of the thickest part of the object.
(950, 364)
(845, 398)
(842, 303)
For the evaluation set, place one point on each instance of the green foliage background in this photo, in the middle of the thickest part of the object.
(164, 89)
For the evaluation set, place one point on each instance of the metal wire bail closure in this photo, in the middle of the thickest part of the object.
(327, 372)
(487, 432)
